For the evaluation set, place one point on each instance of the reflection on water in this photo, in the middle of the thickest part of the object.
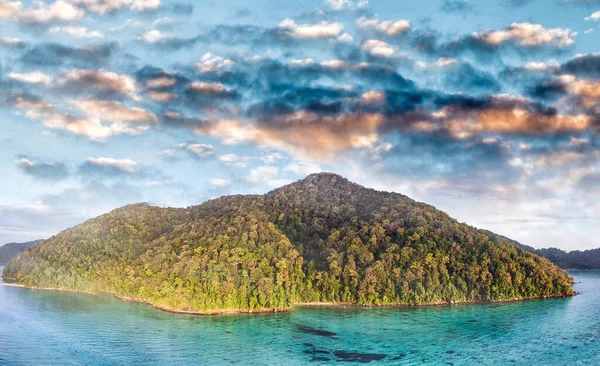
(48, 327)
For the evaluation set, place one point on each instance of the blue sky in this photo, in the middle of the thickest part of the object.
(488, 110)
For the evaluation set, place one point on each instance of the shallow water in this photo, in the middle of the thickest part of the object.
(62, 328)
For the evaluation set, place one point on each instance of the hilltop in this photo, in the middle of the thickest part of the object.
(321, 239)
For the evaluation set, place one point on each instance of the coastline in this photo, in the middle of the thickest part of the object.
(286, 309)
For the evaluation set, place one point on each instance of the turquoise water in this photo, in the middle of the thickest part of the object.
(61, 328)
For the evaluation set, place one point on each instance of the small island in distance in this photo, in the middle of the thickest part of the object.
(321, 240)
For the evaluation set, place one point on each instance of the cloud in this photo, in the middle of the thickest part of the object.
(113, 111)
(213, 63)
(35, 77)
(506, 115)
(77, 31)
(198, 150)
(14, 43)
(528, 35)
(262, 174)
(594, 17)
(583, 66)
(310, 31)
(338, 5)
(53, 54)
(52, 117)
(155, 36)
(388, 27)
(102, 80)
(220, 182)
(373, 98)
(378, 48)
(303, 133)
(42, 170)
(162, 97)
(457, 6)
(201, 87)
(108, 167)
(302, 168)
(586, 92)
(40, 12)
(229, 158)
(112, 6)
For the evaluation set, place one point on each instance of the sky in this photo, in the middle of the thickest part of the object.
(486, 109)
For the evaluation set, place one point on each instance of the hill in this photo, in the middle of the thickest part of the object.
(10, 250)
(321, 239)
(575, 259)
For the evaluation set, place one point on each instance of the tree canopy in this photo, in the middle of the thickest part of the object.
(321, 239)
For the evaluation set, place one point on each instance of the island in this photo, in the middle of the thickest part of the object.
(321, 240)
(10, 250)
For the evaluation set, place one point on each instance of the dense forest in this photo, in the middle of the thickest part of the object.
(10, 250)
(321, 239)
(576, 259)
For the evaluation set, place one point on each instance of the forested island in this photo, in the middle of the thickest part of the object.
(10, 250)
(322, 239)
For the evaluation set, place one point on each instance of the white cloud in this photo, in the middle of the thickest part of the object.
(213, 88)
(77, 31)
(262, 174)
(389, 27)
(40, 12)
(211, 63)
(594, 17)
(334, 64)
(229, 158)
(373, 97)
(445, 62)
(90, 127)
(378, 48)
(111, 6)
(35, 77)
(311, 31)
(345, 38)
(124, 165)
(154, 36)
(114, 112)
(202, 150)
(364, 141)
(529, 35)
(220, 182)
(338, 5)
(303, 168)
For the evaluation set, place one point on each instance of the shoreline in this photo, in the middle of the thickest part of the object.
(286, 309)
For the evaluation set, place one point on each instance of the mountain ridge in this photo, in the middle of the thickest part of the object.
(9, 250)
(320, 239)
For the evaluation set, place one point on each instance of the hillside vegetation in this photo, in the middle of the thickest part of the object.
(10, 250)
(321, 239)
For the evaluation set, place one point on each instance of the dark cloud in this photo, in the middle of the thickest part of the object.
(516, 3)
(42, 170)
(547, 90)
(466, 78)
(457, 6)
(54, 54)
(585, 66)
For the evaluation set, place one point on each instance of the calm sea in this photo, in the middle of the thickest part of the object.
(61, 328)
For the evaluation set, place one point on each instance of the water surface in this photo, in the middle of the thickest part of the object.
(50, 327)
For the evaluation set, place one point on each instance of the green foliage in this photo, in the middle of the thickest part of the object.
(319, 239)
